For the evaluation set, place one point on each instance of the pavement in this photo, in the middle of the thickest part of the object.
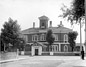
(76, 62)
(14, 59)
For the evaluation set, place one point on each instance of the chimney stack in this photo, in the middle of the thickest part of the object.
(50, 23)
(33, 24)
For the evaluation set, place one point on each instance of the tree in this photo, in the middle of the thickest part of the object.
(76, 12)
(10, 33)
(71, 39)
(21, 43)
(49, 38)
(1, 44)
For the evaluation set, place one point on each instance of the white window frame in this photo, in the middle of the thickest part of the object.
(33, 37)
(56, 37)
(55, 48)
(65, 37)
(42, 37)
(65, 50)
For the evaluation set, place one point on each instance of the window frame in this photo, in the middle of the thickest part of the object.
(65, 38)
(65, 50)
(34, 36)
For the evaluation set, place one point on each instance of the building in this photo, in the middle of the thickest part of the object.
(77, 47)
(36, 38)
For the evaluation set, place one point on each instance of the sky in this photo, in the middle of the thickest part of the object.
(27, 11)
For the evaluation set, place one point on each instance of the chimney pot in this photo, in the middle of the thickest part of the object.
(50, 23)
(33, 24)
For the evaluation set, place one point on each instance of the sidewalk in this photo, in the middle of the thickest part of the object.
(75, 63)
(17, 58)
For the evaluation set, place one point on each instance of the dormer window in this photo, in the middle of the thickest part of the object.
(42, 24)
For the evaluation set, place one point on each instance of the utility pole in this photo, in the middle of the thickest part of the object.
(85, 25)
(80, 36)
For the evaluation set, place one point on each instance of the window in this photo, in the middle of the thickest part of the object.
(44, 49)
(56, 37)
(42, 37)
(65, 38)
(26, 38)
(54, 48)
(42, 24)
(65, 48)
(34, 37)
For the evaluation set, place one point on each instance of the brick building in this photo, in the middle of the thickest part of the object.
(36, 38)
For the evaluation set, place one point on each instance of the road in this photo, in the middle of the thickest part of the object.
(41, 61)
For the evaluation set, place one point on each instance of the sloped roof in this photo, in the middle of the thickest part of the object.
(78, 44)
(39, 44)
(43, 17)
(54, 29)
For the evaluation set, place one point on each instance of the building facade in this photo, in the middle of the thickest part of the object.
(36, 38)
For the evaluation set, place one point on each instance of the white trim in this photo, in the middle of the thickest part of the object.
(65, 50)
(61, 43)
(56, 37)
(57, 43)
(39, 50)
(33, 37)
(42, 37)
(59, 47)
(65, 37)
(55, 48)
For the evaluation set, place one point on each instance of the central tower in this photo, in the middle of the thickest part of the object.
(43, 22)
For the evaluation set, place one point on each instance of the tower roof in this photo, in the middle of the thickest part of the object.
(43, 18)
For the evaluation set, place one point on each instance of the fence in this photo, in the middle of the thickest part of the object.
(53, 53)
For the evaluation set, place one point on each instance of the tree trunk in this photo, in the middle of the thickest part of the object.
(72, 49)
(4, 47)
(48, 48)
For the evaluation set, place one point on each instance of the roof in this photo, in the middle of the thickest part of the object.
(39, 44)
(78, 44)
(60, 29)
(43, 17)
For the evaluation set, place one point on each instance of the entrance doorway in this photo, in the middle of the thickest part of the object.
(36, 51)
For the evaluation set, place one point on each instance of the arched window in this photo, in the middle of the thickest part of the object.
(56, 37)
(65, 48)
(42, 37)
(65, 38)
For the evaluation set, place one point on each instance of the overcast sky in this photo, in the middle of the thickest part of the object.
(27, 11)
